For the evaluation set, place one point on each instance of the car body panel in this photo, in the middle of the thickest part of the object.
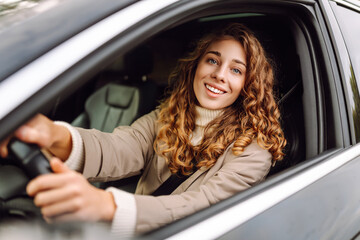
(326, 209)
(22, 43)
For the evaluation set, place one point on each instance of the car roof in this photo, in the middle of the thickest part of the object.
(48, 29)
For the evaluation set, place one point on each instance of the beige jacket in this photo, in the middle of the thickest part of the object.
(129, 151)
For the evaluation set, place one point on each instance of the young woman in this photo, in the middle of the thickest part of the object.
(219, 127)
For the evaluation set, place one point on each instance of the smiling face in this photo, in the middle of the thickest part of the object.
(220, 74)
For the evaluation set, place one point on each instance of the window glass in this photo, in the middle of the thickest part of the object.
(349, 21)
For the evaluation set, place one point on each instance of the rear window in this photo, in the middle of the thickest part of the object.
(349, 21)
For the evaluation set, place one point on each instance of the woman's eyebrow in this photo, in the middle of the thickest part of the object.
(215, 52)
(234, 60)
(239, 62)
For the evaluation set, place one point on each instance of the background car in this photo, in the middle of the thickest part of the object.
(99, 64)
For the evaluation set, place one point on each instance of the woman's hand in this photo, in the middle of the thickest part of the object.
(45, 133)
(67, 196)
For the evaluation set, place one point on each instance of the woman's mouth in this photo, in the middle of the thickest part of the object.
(214, 90)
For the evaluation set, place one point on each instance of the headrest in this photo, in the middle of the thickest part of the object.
(119, 95)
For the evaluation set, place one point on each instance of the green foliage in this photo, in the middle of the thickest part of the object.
(356, 109)
(7, 7)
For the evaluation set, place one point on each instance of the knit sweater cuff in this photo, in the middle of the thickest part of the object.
(76, 159)
(124, 221)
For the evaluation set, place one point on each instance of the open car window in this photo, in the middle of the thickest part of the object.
(144, 69)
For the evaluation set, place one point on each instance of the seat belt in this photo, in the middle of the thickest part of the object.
(170, 185)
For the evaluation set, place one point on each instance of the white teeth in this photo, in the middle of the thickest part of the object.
(214, 90)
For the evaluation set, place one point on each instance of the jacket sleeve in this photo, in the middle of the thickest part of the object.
(236, 174)
(120, 154)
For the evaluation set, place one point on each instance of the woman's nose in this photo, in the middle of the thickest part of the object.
(220, 73)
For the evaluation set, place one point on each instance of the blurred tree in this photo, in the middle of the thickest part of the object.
(356, 109)
(9, 6)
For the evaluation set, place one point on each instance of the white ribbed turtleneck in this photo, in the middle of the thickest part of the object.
(202, 119)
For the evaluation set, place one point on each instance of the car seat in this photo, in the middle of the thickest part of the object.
(123, 96)
(293, 126)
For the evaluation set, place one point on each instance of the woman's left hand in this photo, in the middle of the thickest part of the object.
(67, 196)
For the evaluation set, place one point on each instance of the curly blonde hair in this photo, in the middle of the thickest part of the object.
(254, 115)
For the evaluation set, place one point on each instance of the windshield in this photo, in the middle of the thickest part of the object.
(15, 11)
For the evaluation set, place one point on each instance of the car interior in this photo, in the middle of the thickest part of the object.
(136, 80)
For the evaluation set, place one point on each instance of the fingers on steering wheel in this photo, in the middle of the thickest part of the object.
(3, 148)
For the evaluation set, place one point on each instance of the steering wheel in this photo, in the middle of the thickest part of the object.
(25, 161)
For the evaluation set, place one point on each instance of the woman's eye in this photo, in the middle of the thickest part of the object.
(212, 61)
(237, 71)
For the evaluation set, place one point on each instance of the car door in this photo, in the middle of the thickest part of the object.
(308, 195)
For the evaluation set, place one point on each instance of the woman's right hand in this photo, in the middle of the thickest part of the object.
(45, 133)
